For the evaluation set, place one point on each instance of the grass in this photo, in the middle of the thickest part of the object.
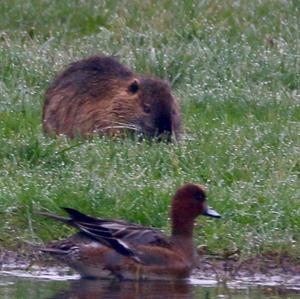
(235, 69)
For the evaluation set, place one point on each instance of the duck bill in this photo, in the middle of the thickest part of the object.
(211, 213)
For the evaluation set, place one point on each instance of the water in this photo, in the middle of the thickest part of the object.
(17, 287)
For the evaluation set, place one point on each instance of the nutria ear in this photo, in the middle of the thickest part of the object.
(134, 86)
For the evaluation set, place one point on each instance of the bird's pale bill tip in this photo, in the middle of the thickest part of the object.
(211, 213)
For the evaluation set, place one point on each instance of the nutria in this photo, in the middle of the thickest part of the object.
(100, 95)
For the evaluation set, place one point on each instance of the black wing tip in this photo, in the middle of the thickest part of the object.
(73, 213)
(70, 211)
(80, 217)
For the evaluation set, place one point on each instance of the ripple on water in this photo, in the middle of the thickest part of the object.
(49, 273)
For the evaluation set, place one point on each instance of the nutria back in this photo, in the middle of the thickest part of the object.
(100, 95)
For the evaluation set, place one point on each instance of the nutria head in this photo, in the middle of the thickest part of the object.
(100, 95)
(157, 113)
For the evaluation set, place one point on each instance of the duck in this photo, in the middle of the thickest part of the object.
(108, 249)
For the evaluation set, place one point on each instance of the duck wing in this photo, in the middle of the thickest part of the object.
(119, 235)
(122, 230)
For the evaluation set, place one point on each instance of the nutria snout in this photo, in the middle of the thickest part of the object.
(100, 95)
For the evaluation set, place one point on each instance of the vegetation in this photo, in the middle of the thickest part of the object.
(234, 67)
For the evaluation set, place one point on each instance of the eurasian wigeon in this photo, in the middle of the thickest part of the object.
(112, 248)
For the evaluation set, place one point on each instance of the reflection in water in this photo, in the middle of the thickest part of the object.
(90, 289)
(99, 289)
(38, 288)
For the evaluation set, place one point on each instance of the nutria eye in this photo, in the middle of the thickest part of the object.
(147, 109)
(133, 87)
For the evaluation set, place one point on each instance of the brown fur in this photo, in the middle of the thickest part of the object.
(100, 95)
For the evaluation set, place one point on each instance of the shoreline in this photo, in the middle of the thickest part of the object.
(269, 269)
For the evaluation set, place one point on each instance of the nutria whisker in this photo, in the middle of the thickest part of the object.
(188, 137)
(126, 125)
(134, 128)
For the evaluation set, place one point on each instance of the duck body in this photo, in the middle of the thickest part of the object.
(94, 260)
(117, 249)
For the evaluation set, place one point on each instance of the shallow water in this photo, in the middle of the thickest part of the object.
(17, 285)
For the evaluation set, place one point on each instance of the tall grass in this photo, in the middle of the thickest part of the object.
(234, 67)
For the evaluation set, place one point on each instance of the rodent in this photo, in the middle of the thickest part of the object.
(100, 95)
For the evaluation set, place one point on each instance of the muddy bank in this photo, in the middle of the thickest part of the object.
(270, 268)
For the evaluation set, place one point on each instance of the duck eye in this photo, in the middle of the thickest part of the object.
(200, 197)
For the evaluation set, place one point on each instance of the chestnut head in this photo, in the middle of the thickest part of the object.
(190, 202)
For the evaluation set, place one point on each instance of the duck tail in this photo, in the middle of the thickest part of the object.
(57, 217)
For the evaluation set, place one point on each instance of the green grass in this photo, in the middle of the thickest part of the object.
(235, 69)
